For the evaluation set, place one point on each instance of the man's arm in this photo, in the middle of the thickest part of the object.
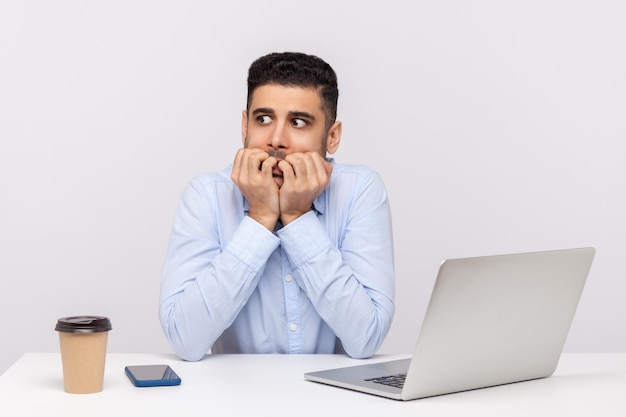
(350, 282)
(205, 281)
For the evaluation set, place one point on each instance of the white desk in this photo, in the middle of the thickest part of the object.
(273, 385)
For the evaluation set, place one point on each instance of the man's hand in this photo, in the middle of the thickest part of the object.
(305, 177)
(252, 173)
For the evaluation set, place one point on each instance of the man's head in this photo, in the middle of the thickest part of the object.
(295, 69)
(291, 107)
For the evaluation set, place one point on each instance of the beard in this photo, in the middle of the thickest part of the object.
(276, 154)
(282, 155)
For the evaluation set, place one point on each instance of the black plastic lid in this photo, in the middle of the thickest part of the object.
(83, 324)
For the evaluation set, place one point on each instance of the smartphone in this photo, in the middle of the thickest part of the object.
(152, 375)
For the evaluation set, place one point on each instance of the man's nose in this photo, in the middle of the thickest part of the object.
(278, 138)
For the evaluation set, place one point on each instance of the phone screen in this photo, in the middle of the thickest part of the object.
(152, 375)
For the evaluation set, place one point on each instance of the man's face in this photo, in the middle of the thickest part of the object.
(283, 120)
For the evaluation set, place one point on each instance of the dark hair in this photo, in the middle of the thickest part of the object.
(295, 69)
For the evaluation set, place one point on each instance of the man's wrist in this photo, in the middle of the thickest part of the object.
(269, 222)
(286, 218)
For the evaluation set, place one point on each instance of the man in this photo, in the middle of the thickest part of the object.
(284, 251)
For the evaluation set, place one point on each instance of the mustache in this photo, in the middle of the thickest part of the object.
(276, 154)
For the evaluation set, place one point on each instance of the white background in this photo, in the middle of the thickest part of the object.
(497, 126)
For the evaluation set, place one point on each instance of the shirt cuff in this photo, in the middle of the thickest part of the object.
(252, 243)
(303, 239)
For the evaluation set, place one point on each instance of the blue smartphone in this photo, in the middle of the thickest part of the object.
(152, 375)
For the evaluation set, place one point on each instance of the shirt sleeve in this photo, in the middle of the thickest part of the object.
(205, 284)
(351, 283)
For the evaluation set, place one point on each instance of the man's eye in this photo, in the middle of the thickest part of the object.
(264, 119)
(298, 123)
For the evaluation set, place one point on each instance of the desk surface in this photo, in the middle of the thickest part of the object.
(273, 385)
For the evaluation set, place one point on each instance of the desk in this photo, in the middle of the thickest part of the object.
(273, 385)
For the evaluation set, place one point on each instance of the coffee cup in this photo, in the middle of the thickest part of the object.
(83, 341)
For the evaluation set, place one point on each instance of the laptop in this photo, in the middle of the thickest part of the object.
(490, 321)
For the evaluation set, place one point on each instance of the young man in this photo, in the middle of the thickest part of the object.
(284, 251)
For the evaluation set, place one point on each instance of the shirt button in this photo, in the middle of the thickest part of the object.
(288, 278)
(293, 327)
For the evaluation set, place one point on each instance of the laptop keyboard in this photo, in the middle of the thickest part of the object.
(390, 380)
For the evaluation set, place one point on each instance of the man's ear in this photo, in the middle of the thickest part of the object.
(244, 126)
(334, 137)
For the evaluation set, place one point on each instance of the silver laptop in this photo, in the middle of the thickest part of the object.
(490, 321)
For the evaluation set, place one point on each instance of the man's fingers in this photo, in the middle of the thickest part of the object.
(287, 170)
(268, 165)
(310, 166)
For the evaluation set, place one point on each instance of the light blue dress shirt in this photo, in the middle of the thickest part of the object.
(322, 284)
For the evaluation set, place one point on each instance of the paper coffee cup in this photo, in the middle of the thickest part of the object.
(83, 341)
